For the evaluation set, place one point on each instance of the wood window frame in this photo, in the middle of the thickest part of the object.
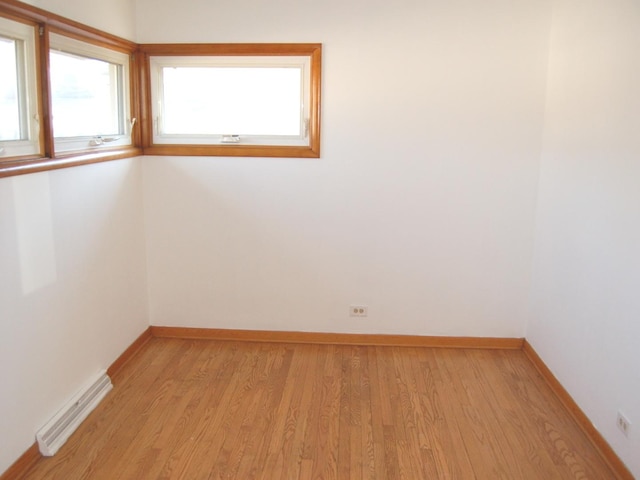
(120, 98)
(140, 99)
(313, 50)
(48, 159)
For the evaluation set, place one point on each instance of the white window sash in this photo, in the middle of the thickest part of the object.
(158, 63)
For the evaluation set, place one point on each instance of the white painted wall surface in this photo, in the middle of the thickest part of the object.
(113, 16)
(72, 270)
(422, 204)
(72, 288)
(585, 301)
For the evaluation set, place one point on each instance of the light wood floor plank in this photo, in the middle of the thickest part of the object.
(515, 423)
(200, 410)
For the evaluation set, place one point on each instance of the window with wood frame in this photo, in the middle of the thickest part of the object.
(19, 97)
(71, 94)
(68, 92)
(90, 95)
(233, 99)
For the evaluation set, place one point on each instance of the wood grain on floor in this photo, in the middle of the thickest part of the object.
(201, 409)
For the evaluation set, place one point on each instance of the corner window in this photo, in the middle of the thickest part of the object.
(250, 100)
(19, 117)
(89, 95)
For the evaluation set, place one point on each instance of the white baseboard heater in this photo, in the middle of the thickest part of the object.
(53, 435)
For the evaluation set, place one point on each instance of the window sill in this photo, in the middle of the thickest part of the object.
(21, 166)
(234, 151)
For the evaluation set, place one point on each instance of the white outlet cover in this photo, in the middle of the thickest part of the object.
(358, 310)
(623, 424)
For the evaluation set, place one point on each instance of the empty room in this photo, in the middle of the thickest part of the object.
(339, 239)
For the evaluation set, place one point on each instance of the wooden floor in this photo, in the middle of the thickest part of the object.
(208, 410)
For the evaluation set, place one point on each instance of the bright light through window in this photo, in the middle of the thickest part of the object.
(19, 117)
(85, 96)
(9, 91)
(232, 100)
(265, 96)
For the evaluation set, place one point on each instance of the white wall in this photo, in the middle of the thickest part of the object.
(114, 16)
(72, 288)
(72, 270)
(585, 297)
(422, 204)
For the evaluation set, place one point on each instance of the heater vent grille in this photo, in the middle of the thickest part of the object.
(53, 435)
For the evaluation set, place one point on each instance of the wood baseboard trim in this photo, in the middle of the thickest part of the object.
(336, 338)
(22, 464)
(617, 465)
(129, 353)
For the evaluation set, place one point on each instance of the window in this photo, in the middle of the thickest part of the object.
(89, 95)
(250, 100)
(10, 87)
(95, 97)
(19, 117)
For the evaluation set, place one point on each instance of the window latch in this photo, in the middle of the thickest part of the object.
(230, 139)
(99, 140)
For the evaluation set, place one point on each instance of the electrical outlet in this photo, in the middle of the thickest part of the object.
(623, 424)
(358, 310)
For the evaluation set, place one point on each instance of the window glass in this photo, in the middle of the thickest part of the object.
(232, 100)
(89, 95)
(19, 119)
(84, 96)
(9, 99)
